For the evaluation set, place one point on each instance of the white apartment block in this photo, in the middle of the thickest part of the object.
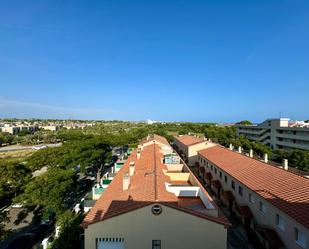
(279, 133)
(15, 129)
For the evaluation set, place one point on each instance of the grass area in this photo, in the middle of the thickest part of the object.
(16, 155)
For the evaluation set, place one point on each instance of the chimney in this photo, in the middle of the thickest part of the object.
(126, 180)
(138, 154)
(239, 149)
(285, 164)
(266, 158)
(132, 168)
(231, 146)
(251, 153)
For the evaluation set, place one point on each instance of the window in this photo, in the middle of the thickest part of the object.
(220, 174)
(225, 178)
(280, 222)
(156, 244)
(262, 207)
(233, 185)
(251, 199)
(300, 238)
(215, 170)
(240, 190)
(211, 167)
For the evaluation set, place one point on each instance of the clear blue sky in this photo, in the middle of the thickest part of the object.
(217, 61)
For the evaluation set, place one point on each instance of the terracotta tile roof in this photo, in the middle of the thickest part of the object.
(155, 137)
(188, 140)
(285, 190)
(147, 186)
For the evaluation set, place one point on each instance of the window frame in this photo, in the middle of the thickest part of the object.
(233, 185)
(262, 207)
(282, 225)
(251, 198)
(298, 232)
(240, 190)
(156, 244)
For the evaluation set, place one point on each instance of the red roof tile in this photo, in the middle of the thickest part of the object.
(147, 186)
(285, 190)
(188, 140)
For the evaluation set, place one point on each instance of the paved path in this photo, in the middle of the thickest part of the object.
(25, 147)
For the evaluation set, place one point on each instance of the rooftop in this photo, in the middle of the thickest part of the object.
(188, 139)
(152, 183)
(285, 190)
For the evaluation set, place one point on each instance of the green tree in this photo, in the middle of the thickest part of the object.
(244, 122)
(49, 190)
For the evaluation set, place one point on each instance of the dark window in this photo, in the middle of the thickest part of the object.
(240, 191)
(156, 244)
(225, 178)
(233, 185)
(220, 174)
(215, 170)
(211, 167)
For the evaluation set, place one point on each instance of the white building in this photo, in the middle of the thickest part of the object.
(278, 133)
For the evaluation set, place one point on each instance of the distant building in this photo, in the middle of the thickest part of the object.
(188, 146)
(51, 127)
(278, 133)
(15, 129)
(151, 204)
(149, 121)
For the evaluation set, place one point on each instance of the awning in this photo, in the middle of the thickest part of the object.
(208, 176)
(271, 236)
(216, 183)
(228, 195)
(245, 211)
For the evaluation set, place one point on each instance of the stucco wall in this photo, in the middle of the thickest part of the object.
(174, 228)
(193, 149)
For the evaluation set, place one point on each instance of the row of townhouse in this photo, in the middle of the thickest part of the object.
(155, 201)
(271, 202)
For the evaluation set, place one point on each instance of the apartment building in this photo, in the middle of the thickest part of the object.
(15, 129)
(51, 127)
(272, 202)
(278, 133)
(155, 202)
(188, 146)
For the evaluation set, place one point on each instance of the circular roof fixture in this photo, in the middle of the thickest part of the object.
(156, 209)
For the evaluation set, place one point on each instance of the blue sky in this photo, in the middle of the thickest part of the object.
(219, 61)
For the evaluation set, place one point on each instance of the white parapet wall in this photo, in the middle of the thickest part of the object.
(174, 167)
(182, 191)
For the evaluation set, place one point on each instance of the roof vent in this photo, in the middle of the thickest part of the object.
(266, 158)
(132, 168)
(231, 146)
(251, 153)
(285, 164)
(239, 149)
(126, 180)
(138, 154)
